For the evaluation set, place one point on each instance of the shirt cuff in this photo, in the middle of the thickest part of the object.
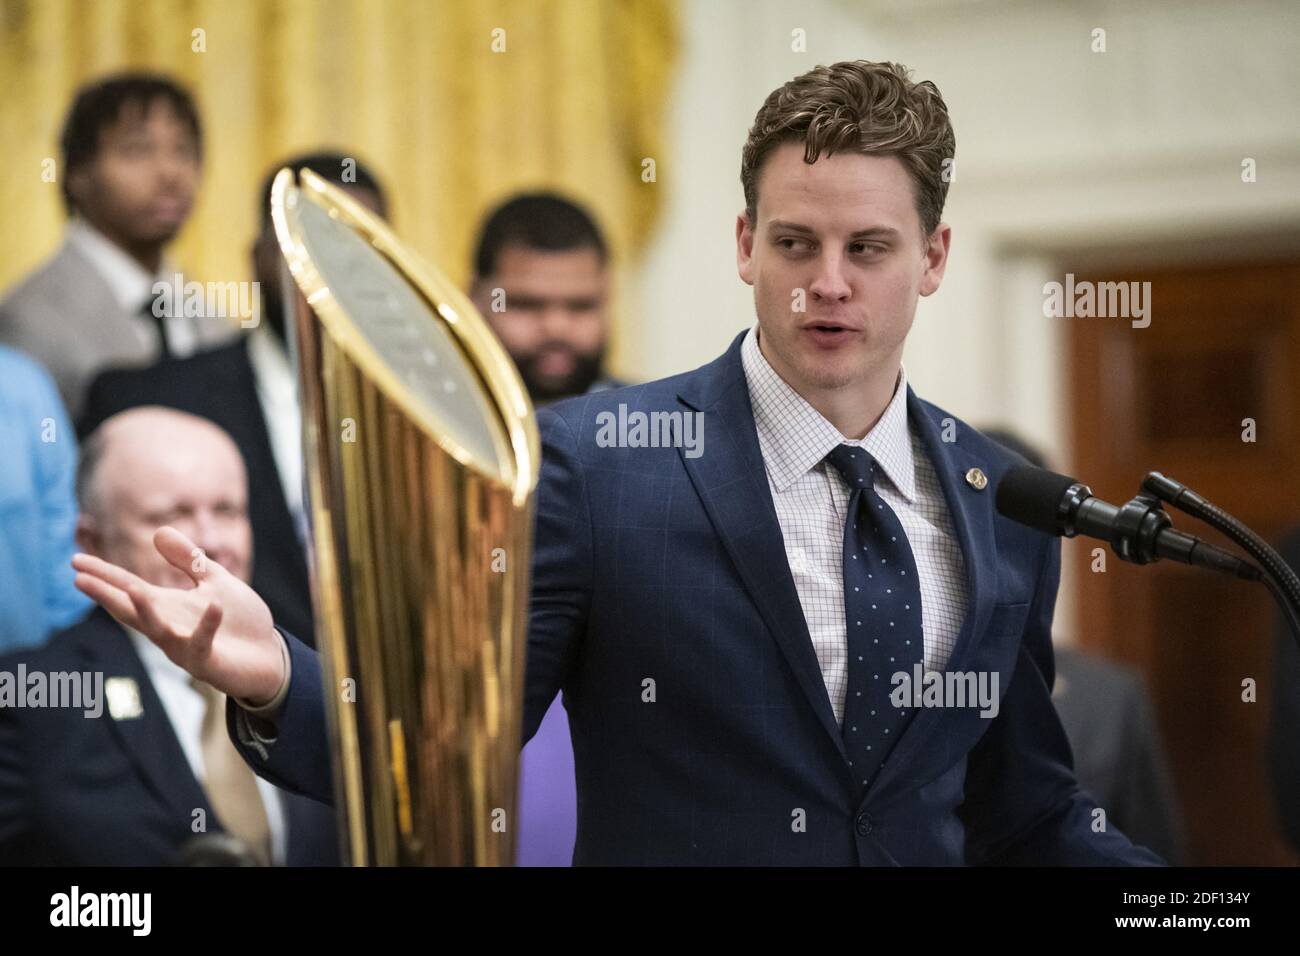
(271, 707)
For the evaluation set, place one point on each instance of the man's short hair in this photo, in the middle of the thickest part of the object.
(543, 222)
(857, 106)
(331, 167)
(100, 104)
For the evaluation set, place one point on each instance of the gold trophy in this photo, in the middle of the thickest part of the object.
(420, 458)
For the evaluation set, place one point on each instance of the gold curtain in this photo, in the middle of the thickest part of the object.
(454, 103)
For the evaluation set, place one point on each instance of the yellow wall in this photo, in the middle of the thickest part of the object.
(411, 87)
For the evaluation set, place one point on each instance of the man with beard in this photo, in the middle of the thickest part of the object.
(132, 155)
(541, 279)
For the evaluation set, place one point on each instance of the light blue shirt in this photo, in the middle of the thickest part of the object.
(38, 511)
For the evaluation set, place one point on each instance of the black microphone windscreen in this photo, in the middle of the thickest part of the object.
(1032, 496)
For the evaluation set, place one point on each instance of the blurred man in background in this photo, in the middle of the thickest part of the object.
(131, 159)
(37, 508)
(541, 277)
(135, 783)
(250, 389)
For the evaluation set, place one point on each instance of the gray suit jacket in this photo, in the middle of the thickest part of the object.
(65, 316)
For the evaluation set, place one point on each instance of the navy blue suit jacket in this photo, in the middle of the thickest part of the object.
(94, 791)
(650, 564)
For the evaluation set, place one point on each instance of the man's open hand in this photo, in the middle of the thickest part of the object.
(219, 630)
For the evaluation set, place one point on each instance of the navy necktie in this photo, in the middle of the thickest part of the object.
(882, 605)
(160, 323)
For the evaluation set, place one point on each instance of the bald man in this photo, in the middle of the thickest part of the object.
(137, 769)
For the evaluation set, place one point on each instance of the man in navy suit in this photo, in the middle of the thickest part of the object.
(131, 765)
(789, 626)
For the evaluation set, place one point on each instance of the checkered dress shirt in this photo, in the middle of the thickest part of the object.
(811, 502)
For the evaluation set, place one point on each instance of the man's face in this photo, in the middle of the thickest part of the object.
(168, 470)
(267, 260)
(841, 238)
(140, 186)
(553, 323)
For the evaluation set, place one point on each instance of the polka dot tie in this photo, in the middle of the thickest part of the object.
(882, 603)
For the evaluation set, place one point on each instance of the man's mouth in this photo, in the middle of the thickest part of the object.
(555, 361)
(828, 333)
(169, 208)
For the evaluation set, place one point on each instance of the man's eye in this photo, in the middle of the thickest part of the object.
(791, 244)
(867, 248)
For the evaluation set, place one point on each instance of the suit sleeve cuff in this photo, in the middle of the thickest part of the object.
(268, 710)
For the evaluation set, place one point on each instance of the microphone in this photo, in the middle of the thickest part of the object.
(1139, 531)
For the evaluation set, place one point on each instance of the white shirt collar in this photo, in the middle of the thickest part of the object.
(795, 437)
(270, 361)
(130, 283)
(157, 664)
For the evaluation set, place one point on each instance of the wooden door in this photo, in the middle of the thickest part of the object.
(1223, 346)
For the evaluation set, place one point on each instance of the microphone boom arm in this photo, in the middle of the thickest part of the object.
(1281, 581)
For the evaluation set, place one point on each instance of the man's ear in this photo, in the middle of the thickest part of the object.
(936, 258)
(745, 248)
(87, 535)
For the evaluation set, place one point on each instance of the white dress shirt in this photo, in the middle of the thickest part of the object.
(130, 283)
(185, 709)
(277, 393)
(811, 502)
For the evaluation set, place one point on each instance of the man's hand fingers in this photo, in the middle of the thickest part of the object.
(120, 578)
(182, 553)
(152, 625)
(114, 600)
(201, 639)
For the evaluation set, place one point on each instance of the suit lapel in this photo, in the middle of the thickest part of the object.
(731, 481)
(116, 332)
(149, 739)
(972, 517)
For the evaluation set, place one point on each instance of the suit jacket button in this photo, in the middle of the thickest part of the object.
(863, 824)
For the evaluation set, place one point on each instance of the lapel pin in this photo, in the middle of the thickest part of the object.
(977, 479)
(123, 698)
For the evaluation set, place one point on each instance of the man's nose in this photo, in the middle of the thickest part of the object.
(555, 321)
(207, 534)
(171, 167)
(830, 284)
